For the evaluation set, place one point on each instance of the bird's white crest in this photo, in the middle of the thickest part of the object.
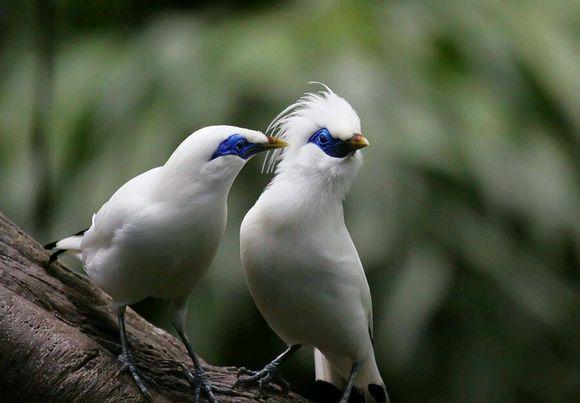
(313, 111)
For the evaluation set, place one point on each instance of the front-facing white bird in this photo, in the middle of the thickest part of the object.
(159, 232)
(301, 265)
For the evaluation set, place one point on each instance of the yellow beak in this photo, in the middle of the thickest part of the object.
(357, 142)
(275, 142)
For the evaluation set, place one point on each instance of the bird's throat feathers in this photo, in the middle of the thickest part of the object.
(302, 191)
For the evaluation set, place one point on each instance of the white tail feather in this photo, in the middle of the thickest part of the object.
(72, 243)
(325, 372)
(368, 375)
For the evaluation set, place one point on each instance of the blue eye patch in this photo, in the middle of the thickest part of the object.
(334, 147)
(237, 145)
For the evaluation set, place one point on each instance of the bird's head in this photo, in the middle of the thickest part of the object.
(231, 147)
(216, 154)
(324, 136)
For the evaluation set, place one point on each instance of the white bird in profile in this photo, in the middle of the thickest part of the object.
(302, 268)
(159, 232)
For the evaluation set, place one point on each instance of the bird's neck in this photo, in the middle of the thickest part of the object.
(304, 196)
(325, 186)
(196, 183)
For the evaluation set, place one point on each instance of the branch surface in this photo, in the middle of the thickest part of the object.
(59, 338)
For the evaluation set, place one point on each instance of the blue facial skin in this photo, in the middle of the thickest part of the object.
(237, 145)
(336, 148)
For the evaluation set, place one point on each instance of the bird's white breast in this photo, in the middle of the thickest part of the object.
(304, 274)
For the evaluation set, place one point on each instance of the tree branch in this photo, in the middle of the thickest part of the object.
(59, 339)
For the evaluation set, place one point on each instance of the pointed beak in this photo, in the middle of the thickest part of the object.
(357, 142)
(274, 142)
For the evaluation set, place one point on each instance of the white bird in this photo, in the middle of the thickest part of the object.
(301, 266)
(159, 232)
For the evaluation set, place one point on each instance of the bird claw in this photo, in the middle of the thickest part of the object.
(266, 376)
(127, 364)
(124, 367)
(245, 371)
(199, 381)
(221, 390)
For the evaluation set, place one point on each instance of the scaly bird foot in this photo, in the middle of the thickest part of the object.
(127, 364)
(200, 383)
(269, 374)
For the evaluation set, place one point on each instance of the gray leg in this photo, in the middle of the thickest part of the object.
(198, 379)
(350, 384)
(126, 357)
(269, 373)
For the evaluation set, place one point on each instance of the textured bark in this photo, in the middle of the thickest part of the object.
(59, 339)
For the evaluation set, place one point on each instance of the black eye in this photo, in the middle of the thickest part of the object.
(240, 145)
(323, 139)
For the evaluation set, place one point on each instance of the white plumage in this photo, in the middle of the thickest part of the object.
(159, 232)
(302, 268)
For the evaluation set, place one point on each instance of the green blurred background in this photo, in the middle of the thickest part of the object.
(466, 213)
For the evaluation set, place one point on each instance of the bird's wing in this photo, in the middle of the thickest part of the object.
(365, 292)
(127, 201)
(337, 253)
(366, 299)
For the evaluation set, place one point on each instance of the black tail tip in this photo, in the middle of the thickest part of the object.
(54, 256)
(325, 392)
(378, 393)
(50, 245)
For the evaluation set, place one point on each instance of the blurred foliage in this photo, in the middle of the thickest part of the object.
(466, 212)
